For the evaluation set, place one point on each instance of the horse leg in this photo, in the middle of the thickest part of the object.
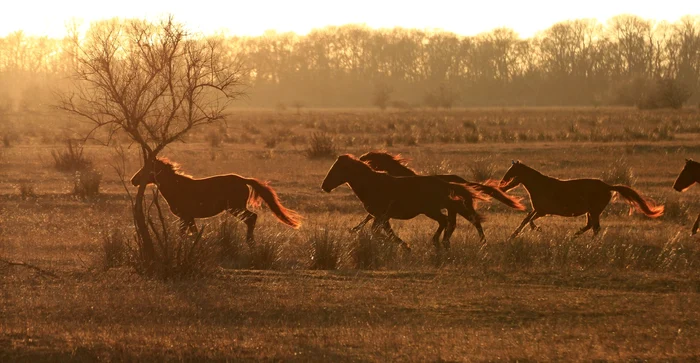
(451, 225)
(589, 224)
(362, 224)
(695, 226)
(249, 218)
(595, 219)
(382, 224)
(468, 212)
(525, 221)
(187, 226)
(442, 221)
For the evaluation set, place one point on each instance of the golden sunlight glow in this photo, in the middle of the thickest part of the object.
(236, 17)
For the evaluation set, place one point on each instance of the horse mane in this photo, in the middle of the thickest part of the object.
(171, 166)
(393, 164)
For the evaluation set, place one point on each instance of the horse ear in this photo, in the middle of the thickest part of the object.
(513, 162)
(688, 160)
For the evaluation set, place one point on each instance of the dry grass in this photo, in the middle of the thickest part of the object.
(632, 293)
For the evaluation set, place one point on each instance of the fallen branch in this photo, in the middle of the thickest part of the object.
(39, 270)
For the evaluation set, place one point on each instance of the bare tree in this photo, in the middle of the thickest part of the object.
(155, 82)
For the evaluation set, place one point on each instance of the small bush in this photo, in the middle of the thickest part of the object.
(271, 142)
(321, 145)
(665, 93)
(214, 138)
(620, 172)
(382, 96)
(482, 169)
(87, 183)
(370, 251)
(115, 249)
(231, 243)
(325, 250)
(26, 190)
(264, 255)
(71, 158)
(441, 168)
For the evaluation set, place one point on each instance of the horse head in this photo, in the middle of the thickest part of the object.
(688, 176)
(338, 173)
(147, 173)
(510, 179)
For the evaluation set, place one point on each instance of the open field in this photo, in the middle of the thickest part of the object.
(633, 292)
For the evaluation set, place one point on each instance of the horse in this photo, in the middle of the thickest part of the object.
(570, 198)
(688, 176)
(397, 166)
(190, 198)
(385, 197)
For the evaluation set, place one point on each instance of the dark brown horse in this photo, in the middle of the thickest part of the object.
(569, 198)
(191, 198)
(385, 197)
(397, 166)
(689, 176)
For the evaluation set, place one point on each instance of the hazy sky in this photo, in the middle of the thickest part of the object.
(253, 17)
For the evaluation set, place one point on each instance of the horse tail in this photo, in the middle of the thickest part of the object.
(498, 194)
(262, 191)
(467, 194)
(645, 206)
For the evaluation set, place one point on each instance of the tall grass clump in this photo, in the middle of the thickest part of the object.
(482, 169)
(371, 252)
(26, 190)
(115, 249)
(620, 172)
(176, 255)
(321, 145)
(87, 183)
(325, 250)
(71, 158)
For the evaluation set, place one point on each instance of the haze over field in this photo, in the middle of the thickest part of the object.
(254, 18)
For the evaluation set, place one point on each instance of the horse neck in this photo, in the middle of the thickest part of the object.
(168, 183)
(400, 170)
(695, 171)
(529, 177)
(361, 176)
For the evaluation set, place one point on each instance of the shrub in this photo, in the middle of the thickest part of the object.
(439, 169)
(176, 255)
(370, 251)
(87, 183)
(264, 255)
(665, 93)
(321, 145)
(71, 158)
(115, 249)
(214, 138)
(26, 190)
(620, 172)
(325, 250)
(382, 96)
(231, 243)
(482, 169)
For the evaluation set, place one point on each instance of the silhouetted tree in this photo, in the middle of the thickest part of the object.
(153, 81)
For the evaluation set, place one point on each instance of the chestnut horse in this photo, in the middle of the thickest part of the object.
(569, 198)
(191, 198)
(385, 197)
(397, 166)
(687, 177)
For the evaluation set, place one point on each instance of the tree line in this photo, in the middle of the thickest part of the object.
(576, 62)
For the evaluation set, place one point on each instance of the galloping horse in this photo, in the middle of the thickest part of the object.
(396, 165)
(385, 197)
(687, 177)
(191, 198)
(569, 198)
